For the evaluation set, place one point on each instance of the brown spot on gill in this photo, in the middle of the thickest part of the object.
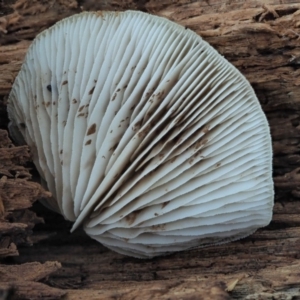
(165, 204)
(88, 142)
(48, 104)
(61, 151)
(92, 129)
(22, 125)
(173, 159)
(65, 82)
(206, 129)
(160, 94)
(132, 217)
(146, 130)
(136, 126)
(80, 115)
(159, 227)
(91, 91)
(114, 97)
(218, 165)
(53, 103)
(74, 101)
(200, 143)
(141, 134)
(114, 147)
(81, 108)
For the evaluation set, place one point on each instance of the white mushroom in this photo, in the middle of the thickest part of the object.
(144, 133)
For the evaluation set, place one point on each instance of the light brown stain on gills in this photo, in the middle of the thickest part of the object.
(132, 217)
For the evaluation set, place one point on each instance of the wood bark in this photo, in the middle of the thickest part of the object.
(263, 42)
(17, 194)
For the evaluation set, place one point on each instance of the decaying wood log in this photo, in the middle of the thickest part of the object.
(17, 194)
(263, 42)
(21, 281)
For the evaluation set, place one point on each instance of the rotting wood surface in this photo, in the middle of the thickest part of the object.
(17, 194)
(263, 42)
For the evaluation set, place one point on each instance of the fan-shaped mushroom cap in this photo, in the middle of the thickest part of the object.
(142, 131)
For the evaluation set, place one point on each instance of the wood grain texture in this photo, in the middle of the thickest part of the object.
(17, 194)
(262, 41)
(21, 279)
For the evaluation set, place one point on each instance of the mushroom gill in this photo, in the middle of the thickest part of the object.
(143, 133)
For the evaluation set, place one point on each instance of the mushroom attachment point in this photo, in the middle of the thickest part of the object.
(143, 133)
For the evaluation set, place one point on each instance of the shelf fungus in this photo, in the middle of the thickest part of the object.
(143, 133)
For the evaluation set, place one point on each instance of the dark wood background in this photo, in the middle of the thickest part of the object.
(44, 261)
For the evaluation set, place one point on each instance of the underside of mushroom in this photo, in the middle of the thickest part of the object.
(143, 133)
